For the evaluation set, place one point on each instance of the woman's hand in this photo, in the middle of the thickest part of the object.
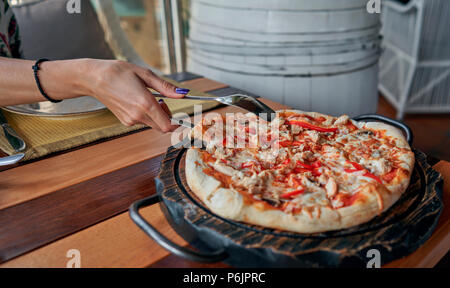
(122, 87)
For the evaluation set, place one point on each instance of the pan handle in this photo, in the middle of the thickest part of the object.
(186, 253)
(405, 128)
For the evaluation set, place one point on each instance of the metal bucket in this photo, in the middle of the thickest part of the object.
(312, 55)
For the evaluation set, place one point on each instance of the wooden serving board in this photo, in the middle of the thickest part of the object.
(395, 233)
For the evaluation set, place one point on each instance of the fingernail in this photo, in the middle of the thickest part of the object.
(182, 90)
(161, 101)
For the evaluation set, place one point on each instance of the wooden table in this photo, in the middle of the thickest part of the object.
(79, 199)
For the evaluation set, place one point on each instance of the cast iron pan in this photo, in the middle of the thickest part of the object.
(395, 233)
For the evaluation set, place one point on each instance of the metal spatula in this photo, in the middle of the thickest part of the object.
(246, 102)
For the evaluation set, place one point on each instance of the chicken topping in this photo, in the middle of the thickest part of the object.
(331, 187)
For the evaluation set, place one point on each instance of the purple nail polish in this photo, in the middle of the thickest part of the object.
(182, 90)
(161, 101)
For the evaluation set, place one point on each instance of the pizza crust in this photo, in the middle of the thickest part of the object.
(230, 204)
(224, 202)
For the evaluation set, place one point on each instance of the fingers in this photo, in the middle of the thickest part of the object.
(165, 107)
(149, 122)
(153, 113)
(160, 85)
(158, 115)
(168, 112)
(148, 111)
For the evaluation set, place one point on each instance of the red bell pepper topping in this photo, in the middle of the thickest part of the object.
(308, 168)
(292, 193)
(315, 173)
(288, 143)
(311, 126)
(356, 166)
(285, 162)
(361, 168)
(285, 143)
(370, 175)
(303, 165)
(309, 117)
(300, 170)
(390, 175)
(247, 165)
(316, 164)
(321, 119)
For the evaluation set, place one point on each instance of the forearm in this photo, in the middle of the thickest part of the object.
(59, 79)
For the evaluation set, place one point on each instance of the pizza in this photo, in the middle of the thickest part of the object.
(304, 172)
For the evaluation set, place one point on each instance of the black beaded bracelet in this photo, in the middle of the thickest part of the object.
(36, 77)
